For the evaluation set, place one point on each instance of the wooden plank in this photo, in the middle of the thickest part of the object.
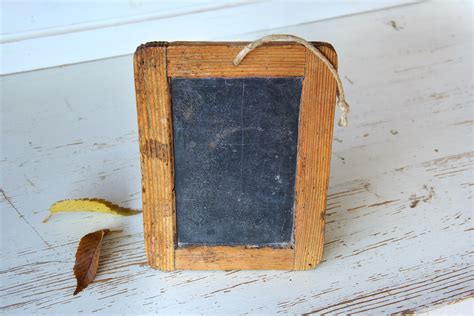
(314, 157)
(205, 60)
(156, 154)
(233, 258)
(153, 20)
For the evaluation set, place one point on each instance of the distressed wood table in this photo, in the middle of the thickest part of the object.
(399, 228)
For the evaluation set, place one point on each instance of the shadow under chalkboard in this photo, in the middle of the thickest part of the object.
(235, 149)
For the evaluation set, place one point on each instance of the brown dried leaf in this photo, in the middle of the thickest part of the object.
(87, 258)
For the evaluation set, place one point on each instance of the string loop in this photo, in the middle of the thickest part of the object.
(342, 103)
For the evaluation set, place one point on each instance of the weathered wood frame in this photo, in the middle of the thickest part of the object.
(154, 64)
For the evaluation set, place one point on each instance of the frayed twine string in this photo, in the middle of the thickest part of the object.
(343, 105)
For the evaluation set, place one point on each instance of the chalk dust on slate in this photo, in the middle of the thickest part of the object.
(235, 144)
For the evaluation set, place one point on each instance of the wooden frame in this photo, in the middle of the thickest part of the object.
(155, 63)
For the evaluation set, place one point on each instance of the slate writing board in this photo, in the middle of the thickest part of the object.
(235, 153)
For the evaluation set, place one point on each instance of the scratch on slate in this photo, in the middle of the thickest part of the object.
(23, 218)
(242, 140)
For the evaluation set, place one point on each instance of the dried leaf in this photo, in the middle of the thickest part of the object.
(89, 205)
(87, 258)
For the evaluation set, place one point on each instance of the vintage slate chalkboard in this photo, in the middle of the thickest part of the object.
(235, 159)
(235, 153)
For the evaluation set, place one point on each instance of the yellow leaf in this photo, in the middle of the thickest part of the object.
(89, 205)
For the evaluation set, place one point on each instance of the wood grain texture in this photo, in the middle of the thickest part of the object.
(233, 258)
(156, 154)
(206, 60)
(314, 158)
(201, 59)
(398, 234)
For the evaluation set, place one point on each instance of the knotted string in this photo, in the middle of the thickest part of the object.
(343, 105)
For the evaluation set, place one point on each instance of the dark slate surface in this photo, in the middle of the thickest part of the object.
(235, 144)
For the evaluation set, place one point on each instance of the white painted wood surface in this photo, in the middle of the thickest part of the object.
(464, 307)
(399, 227)
(41, 34)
